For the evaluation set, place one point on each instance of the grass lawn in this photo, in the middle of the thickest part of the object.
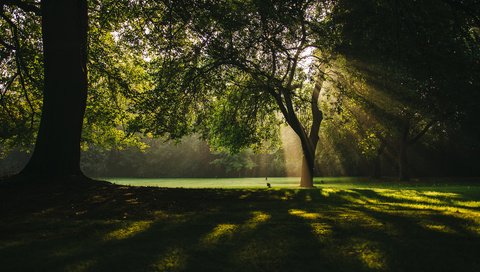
(344, 224)
(227, 183)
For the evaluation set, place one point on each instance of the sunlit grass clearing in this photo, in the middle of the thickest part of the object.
(441, 184)
(287, 182)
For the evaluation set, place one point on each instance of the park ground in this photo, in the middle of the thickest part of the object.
(344, 224)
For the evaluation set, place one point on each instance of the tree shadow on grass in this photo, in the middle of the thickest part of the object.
(150, 229)
(428, 238)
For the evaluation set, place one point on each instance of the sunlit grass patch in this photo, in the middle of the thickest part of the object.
(462, 212)
(304, 214)
(326, 192)
(258, 217)
(370, 254)
(321, 230)
(438, 227)
(418, 210)
(441, 194)
(221, 231)
(471, 218)
(410, 195)
(224, 231)
(173, 259)
(128, 229)
(450, 210)
(466, 204)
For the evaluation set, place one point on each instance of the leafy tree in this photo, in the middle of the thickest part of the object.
(243, 67)
(64, 36)
(21, 74)
(64, 97)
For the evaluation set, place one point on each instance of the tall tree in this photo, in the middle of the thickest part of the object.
(111, 82)
(64, 34)
(243, 67)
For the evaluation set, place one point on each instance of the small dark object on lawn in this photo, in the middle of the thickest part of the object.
(268, 185)
(266, 178)
(322, 182)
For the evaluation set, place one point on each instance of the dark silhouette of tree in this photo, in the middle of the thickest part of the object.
(64, 34)
(61, 81)
(57, 148)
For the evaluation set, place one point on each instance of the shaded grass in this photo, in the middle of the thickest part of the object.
(342, 225)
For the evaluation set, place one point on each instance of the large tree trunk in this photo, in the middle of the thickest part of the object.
(309, 149)
(57, 149)
(308, 169)
(308, 140)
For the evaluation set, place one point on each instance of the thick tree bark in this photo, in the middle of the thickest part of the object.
(309, 149)
(57, 148)
(306, 179)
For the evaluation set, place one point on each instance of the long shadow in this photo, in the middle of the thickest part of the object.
(418, 199)
(233, 230)
(279, 243)
(440, 250)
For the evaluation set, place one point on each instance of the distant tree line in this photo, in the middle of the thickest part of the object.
(343, 157)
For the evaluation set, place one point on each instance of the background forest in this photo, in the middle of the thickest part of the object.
(166, 159)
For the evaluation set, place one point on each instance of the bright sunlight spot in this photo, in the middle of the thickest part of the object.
(129, 230)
